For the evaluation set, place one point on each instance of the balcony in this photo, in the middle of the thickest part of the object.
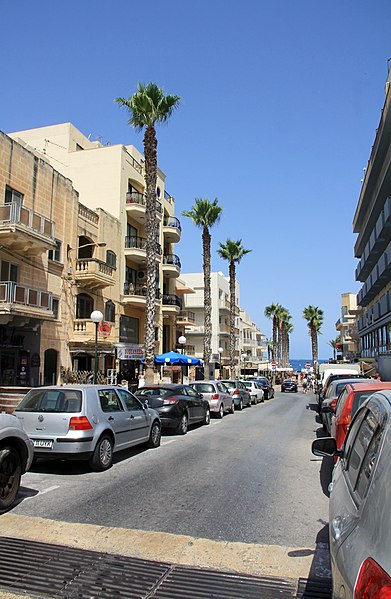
(185, 318)
(199, 329)
(136, 297)
(24, 230)
(171, 303)
(171, 229)
(25, 301)
(93, 273)
(135, 248)
(376, 244)
(136, 206)
(84, 332)
(171, 265)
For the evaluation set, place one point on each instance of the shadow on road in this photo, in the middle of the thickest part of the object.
(318, 583)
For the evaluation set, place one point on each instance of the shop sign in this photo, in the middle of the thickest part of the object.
(104, 329)
(130, 352)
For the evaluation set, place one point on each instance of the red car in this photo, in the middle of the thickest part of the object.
(350, 399)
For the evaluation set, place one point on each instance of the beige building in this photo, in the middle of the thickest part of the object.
(347, 327)
(106, 266)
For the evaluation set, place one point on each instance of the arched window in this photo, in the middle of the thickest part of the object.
(84, 305)
(111, 259)
(110, 311)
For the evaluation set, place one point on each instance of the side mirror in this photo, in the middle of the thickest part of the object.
(325, 446)
(146, 404)
(201, 395)
(326, 410)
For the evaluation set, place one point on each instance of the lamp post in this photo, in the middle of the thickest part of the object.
(182, 342)
(220, 350)
(96, 317)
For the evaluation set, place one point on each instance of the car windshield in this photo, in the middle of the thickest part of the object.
(230, 384)
(204, 387)
(53, 400)
(154, 392)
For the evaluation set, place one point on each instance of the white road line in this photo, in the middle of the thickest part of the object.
(43, 492)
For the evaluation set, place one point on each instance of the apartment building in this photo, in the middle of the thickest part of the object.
(252, 344)
(38, 208)
(346, 325)
(111, 178)
(372, 223)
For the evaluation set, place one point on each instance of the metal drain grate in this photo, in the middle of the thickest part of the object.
(56, 571)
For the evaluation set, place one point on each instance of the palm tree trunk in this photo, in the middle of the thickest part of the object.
(274, 350)
(232, 339)
(207, 300)
(287, 350)
(314, 343)
(150, 151)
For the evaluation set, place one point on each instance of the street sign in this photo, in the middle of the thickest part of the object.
(307, 364)
(274, 364)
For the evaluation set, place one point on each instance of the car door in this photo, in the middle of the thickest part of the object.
(351, 480)
(196, 408)
(118, 419)
(138, 417)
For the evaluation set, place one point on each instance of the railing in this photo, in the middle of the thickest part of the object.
(140, 243)
(140, 291)
(198, 329)
(16, 214)
(168, 197)
(88, 214)
(136, 165)
(172, 259)
(135, 197)
(172, 300)
(186, 316)
(87, 265)
(172, 221)
(12, 293)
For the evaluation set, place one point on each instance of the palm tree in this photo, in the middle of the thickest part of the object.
(233, 251)
(204, 215)
(271, 312)
(288, 330)
(333, 343)
(314, 317)
(282, 317)
(146, 107)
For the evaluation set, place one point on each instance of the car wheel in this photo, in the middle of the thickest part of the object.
(232, 409)
(183, 424)
(155, 435)
(10, 474)
(240, 406)
(220, 413)
(207, 416)
(102, 458)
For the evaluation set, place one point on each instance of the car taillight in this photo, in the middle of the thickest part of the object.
(236, 392)
(333, 403)
(215, 396)
(79, 423)
(372, 582)
(167, 401)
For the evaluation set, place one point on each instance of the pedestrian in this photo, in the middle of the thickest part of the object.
(377, 376)
(305, 385)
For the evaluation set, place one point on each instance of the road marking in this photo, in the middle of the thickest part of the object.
(43, 492)
(249, 558)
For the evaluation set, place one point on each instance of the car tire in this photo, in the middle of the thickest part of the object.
(220, 413)
(102, 458)
(10, 475)
(240, 406)
(232, 408)
(155, 435)
(183, 424)
(206, 419)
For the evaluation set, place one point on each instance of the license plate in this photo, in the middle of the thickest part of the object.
(43, 443)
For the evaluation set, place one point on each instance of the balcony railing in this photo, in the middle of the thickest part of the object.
(172, 259)
(171, 300)
(172, 221)
(13, 293)
(88, 214)
(186, 316)
(14, 213)
(139, 243)
(140, 291)
(93, 266)
(135, 197)
(168, 197)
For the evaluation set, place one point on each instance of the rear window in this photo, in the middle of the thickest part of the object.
(204, 388)
(55, 400)
(230, 384)
(339, 388)
(359, 398)
(155, 392)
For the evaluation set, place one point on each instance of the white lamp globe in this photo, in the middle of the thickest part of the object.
(96, 316)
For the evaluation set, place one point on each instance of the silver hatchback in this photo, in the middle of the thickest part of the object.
(220, 401)
(86, 422)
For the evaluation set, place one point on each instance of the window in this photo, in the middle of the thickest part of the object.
(55, 253)
(110, 311)
(109, 401)
(129, 329)
(8, 271)
(189, 391)
(11, 195)
(55, 306)
(111, 259)
(84, 305)
(368, 464)
(341, 401)
(129, 400)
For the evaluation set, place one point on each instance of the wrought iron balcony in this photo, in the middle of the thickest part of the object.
(26, 301)
(172, 229)
(171, 300)
(23, 230)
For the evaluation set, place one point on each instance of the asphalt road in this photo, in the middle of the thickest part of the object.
(249, 477)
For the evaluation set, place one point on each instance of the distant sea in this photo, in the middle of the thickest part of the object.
(299, 364)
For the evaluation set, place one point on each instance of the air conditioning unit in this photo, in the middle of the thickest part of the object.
(141, 275)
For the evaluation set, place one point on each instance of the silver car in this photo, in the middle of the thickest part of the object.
(239, 393)
(360, 502)
(220, 401)
(16, 455)
(86, 422)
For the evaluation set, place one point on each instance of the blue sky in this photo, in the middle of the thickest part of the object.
(280, 104)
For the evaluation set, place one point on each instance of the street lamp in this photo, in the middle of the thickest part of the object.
(182, 342)
(96, 317)
(220, 350)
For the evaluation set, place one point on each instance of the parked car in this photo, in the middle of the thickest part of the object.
(16, 456)
(352, 396)
(360, 502)
(329, 401)
(239, 393)
(266, 386)
(255, 390)
(86, 422)
(289, 385)
(177, 405)
(220, 401)
(334, 377)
